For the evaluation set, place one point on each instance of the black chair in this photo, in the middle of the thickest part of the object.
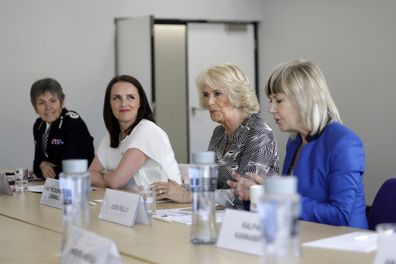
(383, 209)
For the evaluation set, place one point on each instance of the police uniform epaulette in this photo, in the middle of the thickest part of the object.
(72, 114)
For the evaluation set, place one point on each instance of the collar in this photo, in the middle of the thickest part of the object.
(313, 136)
(56, 123)
(308, 138)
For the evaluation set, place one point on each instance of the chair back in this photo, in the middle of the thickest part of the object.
(383, 209)
(183, 168)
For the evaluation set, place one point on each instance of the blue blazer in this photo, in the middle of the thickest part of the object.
(330, 176)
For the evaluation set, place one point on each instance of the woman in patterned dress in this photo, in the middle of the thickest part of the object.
(242, 142)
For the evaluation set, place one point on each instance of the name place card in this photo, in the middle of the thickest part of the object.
(90, 248)
(123, 208)
(240, 231)
(52, 193)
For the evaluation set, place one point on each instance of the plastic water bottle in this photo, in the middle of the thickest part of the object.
(279, 213)
(203, 181)
(75, 185)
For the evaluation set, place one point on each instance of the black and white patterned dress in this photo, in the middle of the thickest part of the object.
(252, 148)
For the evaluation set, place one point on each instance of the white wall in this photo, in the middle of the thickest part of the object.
(73, 41)
(353, 42)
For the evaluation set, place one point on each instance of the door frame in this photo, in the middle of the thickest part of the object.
(229, 22)
(157, 21)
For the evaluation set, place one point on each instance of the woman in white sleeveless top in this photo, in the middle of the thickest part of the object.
(135, 151)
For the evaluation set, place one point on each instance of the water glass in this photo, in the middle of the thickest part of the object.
(256, 195)
(148, 196)
(21, 180)
(386, 232)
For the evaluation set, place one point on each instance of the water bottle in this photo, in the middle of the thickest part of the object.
(75, 186)
(279, 213)
(203, 181)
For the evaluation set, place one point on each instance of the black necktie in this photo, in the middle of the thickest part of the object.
(44, 141)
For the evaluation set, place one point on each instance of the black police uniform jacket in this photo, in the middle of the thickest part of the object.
(68, 138)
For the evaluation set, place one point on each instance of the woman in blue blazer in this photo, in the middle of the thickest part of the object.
(327, 157)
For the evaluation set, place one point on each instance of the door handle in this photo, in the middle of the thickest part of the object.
(194, 109)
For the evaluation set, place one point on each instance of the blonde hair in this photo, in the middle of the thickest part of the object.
(304, 83)
(230, 77)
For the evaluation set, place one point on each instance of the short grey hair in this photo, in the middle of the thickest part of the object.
(232, 78)
(303, 82)
(42, 86)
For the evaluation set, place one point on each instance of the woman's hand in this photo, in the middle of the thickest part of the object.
(171, 190)
(240, 186)
(47, 169)
(97, 173)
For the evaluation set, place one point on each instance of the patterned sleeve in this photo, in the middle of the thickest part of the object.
(253, 150)
(259, 152)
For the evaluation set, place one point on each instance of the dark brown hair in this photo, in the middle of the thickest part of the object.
(110, 120)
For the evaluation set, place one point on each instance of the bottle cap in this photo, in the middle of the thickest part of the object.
(281, 185)
(203, 157)
(75, 165)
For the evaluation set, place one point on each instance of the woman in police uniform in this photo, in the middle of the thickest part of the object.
(58, 133)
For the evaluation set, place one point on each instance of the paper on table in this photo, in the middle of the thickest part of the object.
(355, 241)
(182, 215)
(39, 188)
(99, 201)
(36, 188)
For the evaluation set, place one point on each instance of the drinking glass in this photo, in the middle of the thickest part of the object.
(386, 233)
(256, 195)
(21, 180)
(148, 196)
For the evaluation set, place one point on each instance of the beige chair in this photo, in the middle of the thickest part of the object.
(183, 168)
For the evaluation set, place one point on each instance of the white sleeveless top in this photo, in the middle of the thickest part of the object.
(152, 141)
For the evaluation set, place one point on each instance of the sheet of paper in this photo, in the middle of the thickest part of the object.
(163, 201)
(182, 215)
(36, 188)
(355, 241)
(100, 201)
(39, 188)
